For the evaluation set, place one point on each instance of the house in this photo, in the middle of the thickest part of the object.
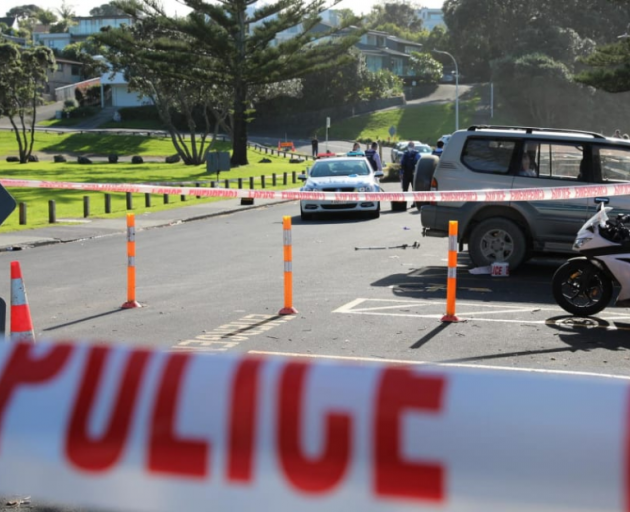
(54, 41)
(85, 26)
(384, 51)
(11, 22)
(431, 18)
(115, 91)
(66, 72)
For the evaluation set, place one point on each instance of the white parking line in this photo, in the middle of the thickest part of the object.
(429, 363)
(384, 307)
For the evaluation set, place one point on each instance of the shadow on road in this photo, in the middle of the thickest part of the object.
(530, 284)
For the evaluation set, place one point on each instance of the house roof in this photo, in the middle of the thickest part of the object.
(404, 41)
(8, 20)
(380, 50)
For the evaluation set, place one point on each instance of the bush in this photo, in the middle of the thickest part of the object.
(137, 160)
(84, 160)
(68, 104)
(80, 112)
(13, 159)
(59, 159)
(145, 113)
(113, 158)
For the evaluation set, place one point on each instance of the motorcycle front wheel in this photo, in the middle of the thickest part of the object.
(581, 288)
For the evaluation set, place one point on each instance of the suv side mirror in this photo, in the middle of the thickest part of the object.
(302, 176)
(379, 174)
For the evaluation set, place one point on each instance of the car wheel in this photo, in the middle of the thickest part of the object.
(423, 176)
(495, 240)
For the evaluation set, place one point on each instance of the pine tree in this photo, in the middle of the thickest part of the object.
(232, 44)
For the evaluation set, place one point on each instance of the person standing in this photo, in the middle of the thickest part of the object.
(315, 146)
(439, 148)
(373, 157)
(408, 166)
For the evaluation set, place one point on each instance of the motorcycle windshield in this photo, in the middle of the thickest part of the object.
(600, 217)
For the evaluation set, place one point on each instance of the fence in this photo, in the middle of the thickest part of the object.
(67, 92)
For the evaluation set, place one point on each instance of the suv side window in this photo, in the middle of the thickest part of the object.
(560, 161)
(488, 155)
(614, 163)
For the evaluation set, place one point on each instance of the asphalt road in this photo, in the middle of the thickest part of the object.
(216, 285)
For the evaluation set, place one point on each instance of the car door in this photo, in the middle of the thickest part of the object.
(555, 164)
(612, 166)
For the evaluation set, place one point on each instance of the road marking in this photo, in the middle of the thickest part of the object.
(430, 363)
(353, 308)
(229, 336)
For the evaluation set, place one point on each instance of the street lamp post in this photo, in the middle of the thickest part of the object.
(456, 87)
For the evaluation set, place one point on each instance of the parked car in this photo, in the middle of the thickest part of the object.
(340, 174)
(491, 157)
(401, 147)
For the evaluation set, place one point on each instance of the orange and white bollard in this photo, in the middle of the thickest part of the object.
(131, 263)
(451, 282)
(288, 308)
(21, 323)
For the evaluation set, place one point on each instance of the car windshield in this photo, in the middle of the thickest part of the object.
(323, 169)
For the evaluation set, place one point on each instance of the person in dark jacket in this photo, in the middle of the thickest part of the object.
(315, 146)
(408, 165)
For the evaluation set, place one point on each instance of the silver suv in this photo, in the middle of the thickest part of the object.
(509, 157)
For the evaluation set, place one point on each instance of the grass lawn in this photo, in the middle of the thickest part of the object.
(95, 144)
(69, 203)
(418, 122)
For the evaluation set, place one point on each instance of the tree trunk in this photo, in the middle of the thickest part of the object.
(239, 139)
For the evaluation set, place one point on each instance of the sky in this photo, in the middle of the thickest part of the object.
(82, 7)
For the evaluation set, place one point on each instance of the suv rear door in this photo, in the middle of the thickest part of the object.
(556, 164)
(612, 165)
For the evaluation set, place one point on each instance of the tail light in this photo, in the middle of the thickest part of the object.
(434, 187)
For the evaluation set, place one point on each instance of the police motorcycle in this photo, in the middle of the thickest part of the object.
(583, 286)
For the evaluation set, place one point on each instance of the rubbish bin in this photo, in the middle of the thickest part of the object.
(212, 162)
(224, 161)
(58, 114)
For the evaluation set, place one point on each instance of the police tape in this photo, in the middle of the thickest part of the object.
(132, 429)
(506, 195)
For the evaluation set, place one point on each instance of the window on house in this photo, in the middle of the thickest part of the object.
(397, 66)
(59, 67)
(373, 63)
(75, 70)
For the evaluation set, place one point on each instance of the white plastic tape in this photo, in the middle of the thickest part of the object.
(507, 195)
(128, 429)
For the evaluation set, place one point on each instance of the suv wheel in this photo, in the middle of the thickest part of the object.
(495, 240)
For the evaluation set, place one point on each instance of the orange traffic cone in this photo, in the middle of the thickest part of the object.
(21, 323)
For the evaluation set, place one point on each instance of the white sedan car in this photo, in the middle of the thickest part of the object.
(399, 149)
(340, 174)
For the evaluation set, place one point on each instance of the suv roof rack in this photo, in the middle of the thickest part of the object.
(530, 129)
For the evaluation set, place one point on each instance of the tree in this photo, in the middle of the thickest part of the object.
(609, 68)
(539, 89)
(46, 17)
(22, 80)
(24, 11)
(108, 9)
(426, 68)
(171, 86)
(66, 15)
(401, 14)
(233, 47)
(82, 52)
(481, 32)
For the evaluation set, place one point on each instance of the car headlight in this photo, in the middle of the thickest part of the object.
(581, 241)
(366, 188)
(309, 187)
